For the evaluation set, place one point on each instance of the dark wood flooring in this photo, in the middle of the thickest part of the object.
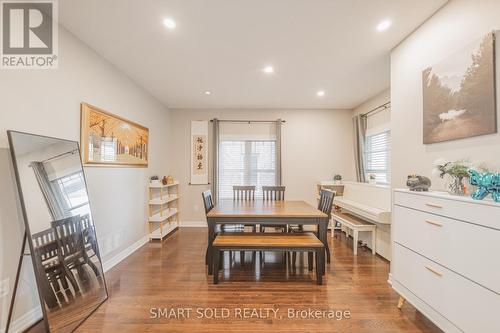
(173, 277)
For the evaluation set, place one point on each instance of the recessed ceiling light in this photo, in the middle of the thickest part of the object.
(320, 93)
(208, 92)
(384, 25)
(268, 69)
(169, 23)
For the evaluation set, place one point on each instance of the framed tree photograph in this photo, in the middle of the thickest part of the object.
(110, 140)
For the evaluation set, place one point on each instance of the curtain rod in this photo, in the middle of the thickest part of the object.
(378, 109)
(60, 155)
(247, 121)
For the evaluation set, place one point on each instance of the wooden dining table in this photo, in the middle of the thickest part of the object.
(262, 212)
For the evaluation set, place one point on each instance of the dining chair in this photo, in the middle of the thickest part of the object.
(325, 205)
(208, 202)
(48, 264)
(243, 193)
(71, 247)
(274, 193)
(89, 238)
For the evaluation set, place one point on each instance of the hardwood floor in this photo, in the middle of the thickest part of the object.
(173, 276)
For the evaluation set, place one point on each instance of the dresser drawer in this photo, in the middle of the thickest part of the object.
(486, 213)
(469, 306)
(459, 246)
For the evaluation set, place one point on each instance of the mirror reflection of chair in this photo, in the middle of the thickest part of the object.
(71, 249)
(89, 240)
(48, 263)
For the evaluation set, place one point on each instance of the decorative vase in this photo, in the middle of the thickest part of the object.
(456, 186)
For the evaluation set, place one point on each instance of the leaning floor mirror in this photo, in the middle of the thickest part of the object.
(59, 229)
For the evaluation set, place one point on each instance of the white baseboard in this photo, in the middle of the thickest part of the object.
(124, 254)
(193, 224)
(25, 321)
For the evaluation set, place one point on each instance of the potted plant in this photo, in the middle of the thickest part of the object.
(455, 172)
(372, 178)
(337, 179)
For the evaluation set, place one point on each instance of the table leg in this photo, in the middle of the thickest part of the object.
(320, 261)
(211, 236)
(310, 261)
(216, 262)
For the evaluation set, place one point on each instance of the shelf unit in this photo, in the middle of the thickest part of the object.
(163, 207)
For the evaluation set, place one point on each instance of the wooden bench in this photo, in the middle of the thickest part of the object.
(303, 242)
(356, 224)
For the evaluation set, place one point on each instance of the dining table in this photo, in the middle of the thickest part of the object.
(263, 212)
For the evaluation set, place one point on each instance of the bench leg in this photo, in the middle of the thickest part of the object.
(242, 258)
(374, 241)
(320, 264)
(355, 242)
(216, 263)
(310, 261)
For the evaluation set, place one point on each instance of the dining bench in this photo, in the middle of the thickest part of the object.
(303, 242)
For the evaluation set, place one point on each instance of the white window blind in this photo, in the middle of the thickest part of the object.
(377, 156)
(247, 156)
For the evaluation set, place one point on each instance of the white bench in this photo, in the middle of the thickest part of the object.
(356, 224)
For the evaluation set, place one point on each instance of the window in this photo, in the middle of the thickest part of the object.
(247, 156)
(72, 189)
(246, 163)
(377, 152)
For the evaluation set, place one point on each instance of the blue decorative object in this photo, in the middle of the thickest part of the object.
(487, 183)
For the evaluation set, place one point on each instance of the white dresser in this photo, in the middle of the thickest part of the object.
(446, 259)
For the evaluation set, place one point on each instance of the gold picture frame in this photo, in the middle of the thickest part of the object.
(110, 140)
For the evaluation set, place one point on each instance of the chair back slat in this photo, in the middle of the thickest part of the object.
(45, 245)
(273, 193)
(208, 201)
(244, 193)
(69, 236)
(326, 202)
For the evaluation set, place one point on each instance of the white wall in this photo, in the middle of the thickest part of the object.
(316, 144)
(48, 102)
(454, 26)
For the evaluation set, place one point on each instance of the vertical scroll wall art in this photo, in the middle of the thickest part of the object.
(199, 152)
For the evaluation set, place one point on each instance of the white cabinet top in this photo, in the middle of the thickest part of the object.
(446, 196)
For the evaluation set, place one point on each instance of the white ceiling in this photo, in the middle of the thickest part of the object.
(222, 45)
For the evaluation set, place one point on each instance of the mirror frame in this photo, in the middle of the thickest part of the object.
(28, 232)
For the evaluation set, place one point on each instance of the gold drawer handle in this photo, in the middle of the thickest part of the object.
(430, 269)
(433, 205)
(434, 223)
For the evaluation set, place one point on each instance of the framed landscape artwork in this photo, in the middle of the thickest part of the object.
(110, 140)
(459, 99)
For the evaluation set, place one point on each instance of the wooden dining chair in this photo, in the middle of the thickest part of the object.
(71, 246)
(243, 193)
(48, 265)
(274, 193)
(208, 202)
(89, 238)
(325, 205)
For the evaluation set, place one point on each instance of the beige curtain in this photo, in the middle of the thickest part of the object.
(215, 160)
(279, 122)
(359, 125)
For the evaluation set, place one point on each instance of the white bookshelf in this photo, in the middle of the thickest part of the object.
(163, 210)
